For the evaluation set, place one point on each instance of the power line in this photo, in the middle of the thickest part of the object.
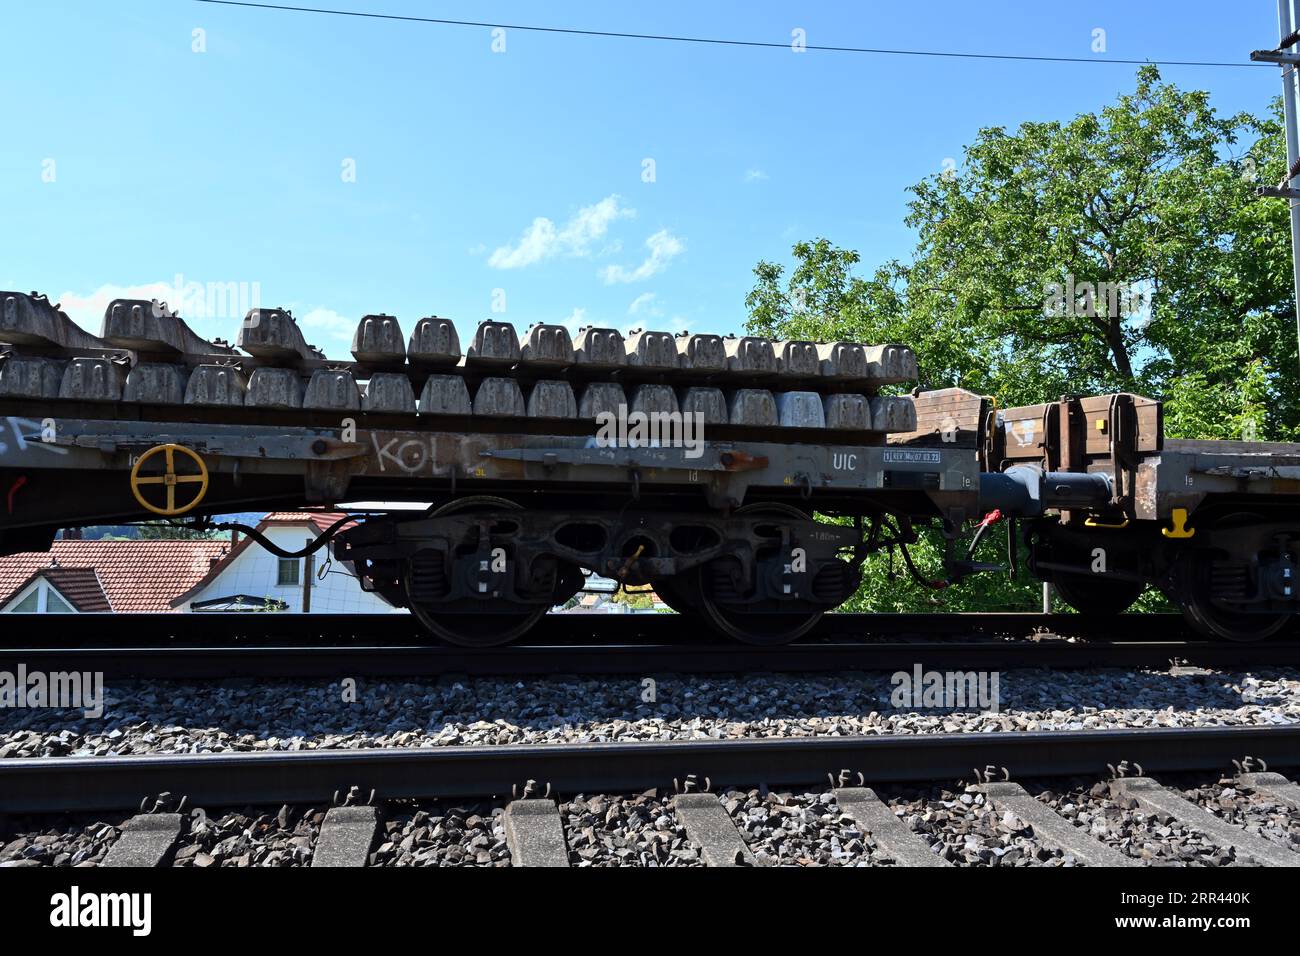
(719, 41)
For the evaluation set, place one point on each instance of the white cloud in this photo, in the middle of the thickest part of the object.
(644, 301)
(537, 243)
(328, 322)
(754, 175)
(576, 319)
(663, 246)
(542, 240)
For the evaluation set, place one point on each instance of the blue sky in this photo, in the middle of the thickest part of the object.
(516, 178)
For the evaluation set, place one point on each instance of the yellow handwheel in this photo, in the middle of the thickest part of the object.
(169, 479)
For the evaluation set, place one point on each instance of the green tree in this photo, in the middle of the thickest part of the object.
(1122, 250)
(168, 531)
(636, 600)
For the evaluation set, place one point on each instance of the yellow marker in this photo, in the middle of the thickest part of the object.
(1101, 424)
(1092, 522)
(169, 479)
(1179, 530)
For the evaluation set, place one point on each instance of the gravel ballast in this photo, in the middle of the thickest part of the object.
(243, 838)
(1150, 837)
(442, 833)
(780, 828)
(640, 830)
(163, 717)
(963, 829)
(62, 841)
(1255, 811)
(800, 829)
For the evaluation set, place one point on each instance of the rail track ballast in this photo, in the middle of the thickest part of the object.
(746, 480)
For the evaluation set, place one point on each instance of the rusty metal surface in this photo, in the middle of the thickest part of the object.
(1121, 436)
(727, 473)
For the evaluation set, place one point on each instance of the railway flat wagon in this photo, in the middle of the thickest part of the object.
(1109, 507)
(746, 480)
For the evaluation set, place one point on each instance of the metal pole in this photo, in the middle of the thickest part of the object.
(308, 564)
(1286, 20)
(1047, 597)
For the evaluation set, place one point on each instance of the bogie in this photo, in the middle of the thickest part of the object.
(765, 574)
(1234, 579)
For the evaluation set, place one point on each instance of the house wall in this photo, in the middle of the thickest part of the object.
(255, 572)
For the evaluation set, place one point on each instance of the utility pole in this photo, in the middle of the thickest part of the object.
(308, 566)
(1286, 57)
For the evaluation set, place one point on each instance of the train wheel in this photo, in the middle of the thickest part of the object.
(1098, 595)
(1195, 585)
(764, 626)
(1214, 621)
(462, 622)
(1242, 628)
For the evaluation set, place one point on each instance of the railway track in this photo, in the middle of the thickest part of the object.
(568, 629)
(153, 646)
(524, 783)
(362, 660)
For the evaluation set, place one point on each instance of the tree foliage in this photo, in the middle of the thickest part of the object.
(1123, 250)
(169, 531)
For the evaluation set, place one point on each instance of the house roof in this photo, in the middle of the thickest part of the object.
(80, 587)
(140, 576)
(318, 521)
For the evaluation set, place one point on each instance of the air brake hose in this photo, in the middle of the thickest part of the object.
(990, 519)
(937, 585)
(269, 545)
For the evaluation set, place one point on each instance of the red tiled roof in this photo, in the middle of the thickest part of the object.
(320, 520)
(140, 576)
(80, 586)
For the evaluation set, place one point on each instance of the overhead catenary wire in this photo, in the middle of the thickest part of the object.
(722, 41)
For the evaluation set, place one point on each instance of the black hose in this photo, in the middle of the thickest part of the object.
(975, 541)
(265, 542)
(937, 585)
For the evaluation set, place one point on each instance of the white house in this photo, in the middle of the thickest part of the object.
(248, 577)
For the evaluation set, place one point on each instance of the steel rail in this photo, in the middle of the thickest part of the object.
(332, 661)
(110, 630)
(45, 784)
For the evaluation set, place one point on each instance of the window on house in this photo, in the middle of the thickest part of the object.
(56, 605)
(29, 604)
(288, 573)
(41, 599)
